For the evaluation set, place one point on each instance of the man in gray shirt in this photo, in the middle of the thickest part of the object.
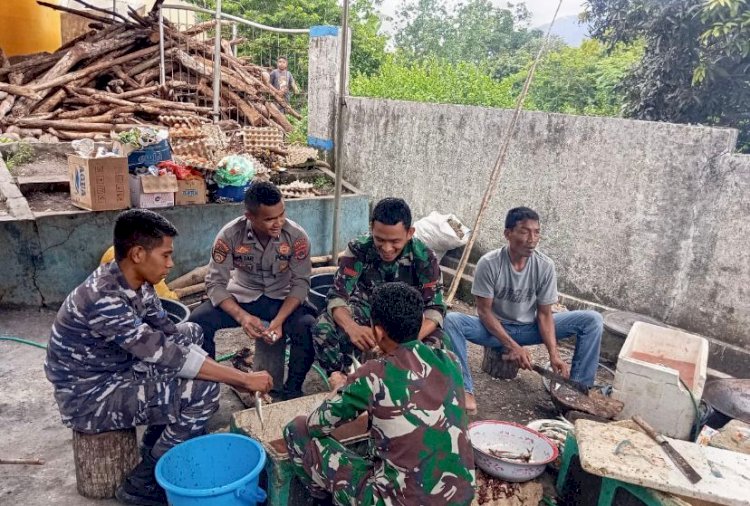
(515, 288)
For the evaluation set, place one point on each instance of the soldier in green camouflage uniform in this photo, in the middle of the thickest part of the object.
(419, 451)
(390, 253)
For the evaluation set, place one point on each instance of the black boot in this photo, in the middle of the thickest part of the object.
(150, 436)
(140, 486)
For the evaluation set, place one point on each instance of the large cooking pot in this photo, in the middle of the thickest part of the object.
(728, 397)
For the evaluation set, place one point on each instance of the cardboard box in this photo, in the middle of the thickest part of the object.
(190, 191)
(146, 157)
(98, 184)
(152, 192)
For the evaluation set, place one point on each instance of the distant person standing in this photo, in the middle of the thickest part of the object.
(282, 79)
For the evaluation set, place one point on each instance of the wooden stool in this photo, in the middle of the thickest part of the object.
(103, 460)
(610, 486)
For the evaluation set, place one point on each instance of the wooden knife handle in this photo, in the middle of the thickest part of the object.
(647, 427)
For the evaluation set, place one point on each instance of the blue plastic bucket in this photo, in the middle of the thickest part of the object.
(231, 193)
(215, 470)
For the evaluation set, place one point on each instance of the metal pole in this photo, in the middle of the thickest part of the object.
(338, 148)
(217, 65)
(234, 38)
(162, 64)
(114, 9)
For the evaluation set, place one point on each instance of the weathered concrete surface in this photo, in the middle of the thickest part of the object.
(42, 260)
(323, 78)
(641, 216)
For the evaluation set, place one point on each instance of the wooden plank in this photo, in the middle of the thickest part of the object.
(632, 457)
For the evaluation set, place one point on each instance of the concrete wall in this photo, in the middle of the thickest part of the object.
(42, 260)
(641, 216)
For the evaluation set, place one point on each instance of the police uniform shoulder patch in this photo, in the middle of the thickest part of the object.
(220, 251)
(301, 248)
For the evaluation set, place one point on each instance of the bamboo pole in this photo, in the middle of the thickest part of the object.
(499, 164)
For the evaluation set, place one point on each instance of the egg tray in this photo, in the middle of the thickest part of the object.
(262, 138)
(300, 155)
(178, 121)
(185, 133)
(297, 189)
(216, 136)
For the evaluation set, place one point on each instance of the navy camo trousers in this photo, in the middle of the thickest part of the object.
(153, 396)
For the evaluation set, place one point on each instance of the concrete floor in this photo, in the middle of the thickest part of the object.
(31, 426)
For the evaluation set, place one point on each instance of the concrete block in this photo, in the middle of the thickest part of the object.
(324, 70)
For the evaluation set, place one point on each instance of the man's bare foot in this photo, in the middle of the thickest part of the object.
(471, 404)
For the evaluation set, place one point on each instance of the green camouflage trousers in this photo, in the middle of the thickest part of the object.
(334, 349)
(325, 466)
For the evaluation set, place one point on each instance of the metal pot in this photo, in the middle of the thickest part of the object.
(730, 397)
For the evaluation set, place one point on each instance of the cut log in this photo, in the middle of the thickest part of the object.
(73, 76)
(190, 290)
(494, 365)
(71, 125)
(80, 51)
(197, 275)
(83, 14)
(278, 117)
(103, 460)
(19, 91)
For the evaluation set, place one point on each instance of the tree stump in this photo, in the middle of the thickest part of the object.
(494, 365)
(103, 460)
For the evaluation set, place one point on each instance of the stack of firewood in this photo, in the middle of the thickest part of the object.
(107, 80)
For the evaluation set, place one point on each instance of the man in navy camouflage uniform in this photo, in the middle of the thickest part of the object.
(419, 452)
(117, 361)
(390, 253)
(258, 279)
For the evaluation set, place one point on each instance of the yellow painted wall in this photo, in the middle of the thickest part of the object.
(26, 27)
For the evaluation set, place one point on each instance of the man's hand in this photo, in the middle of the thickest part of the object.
(273, 333)
(559, 365)
(520, 356)
(252, 325)
(336, 380)
(361, 337)
(257, 382)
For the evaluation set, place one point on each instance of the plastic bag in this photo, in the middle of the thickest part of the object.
(234, 170)
(441, 232)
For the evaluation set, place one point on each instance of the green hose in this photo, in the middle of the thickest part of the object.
(23, 341)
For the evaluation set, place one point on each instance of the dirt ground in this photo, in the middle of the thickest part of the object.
(50, 201)
(32, 428)
(45, 164)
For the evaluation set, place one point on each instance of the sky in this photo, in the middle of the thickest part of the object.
(541, 10)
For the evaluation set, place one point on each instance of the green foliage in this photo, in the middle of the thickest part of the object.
(299, 134)
(582, 80)
(23, 154)
(324, 184)
(696, 62)
(569, 80)
(433, 80)
(368, 48)
(475, 31)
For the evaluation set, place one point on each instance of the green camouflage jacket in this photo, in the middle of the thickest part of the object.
(418, 441)
(361, 270)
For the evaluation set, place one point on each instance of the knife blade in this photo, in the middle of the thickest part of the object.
(682, 464)
(553, 376)
(259, 409)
